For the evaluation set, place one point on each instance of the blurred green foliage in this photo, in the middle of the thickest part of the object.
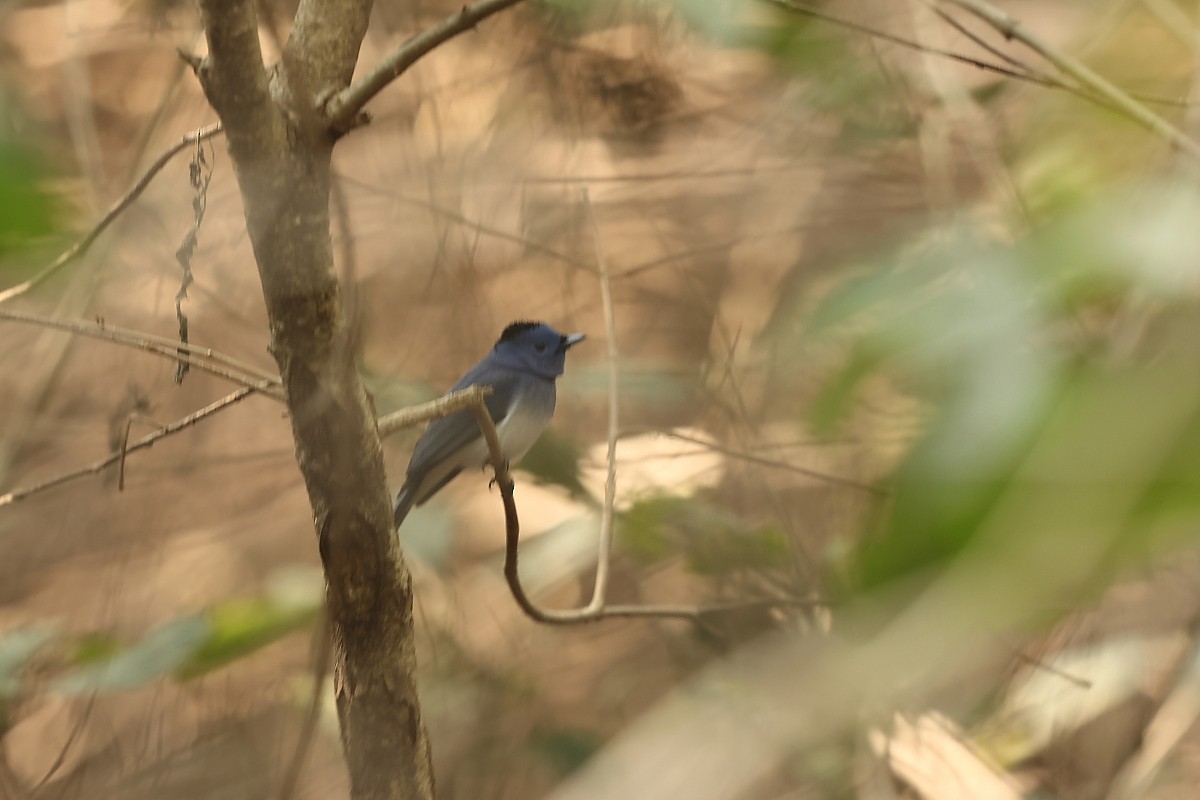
(28, 211)
(185, 647)
(1064, 377)
(554, 460)
(17, 647)
(160, 652)
(566, 749)
(711, 542)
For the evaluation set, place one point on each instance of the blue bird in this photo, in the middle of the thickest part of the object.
(521, 369)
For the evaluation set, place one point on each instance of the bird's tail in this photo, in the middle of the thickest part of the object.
(404, 503)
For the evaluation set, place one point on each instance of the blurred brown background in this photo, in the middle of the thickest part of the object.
(732, 182)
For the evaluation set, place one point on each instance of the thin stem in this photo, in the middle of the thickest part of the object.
(118, 455)
(610, 482)
(204, 358)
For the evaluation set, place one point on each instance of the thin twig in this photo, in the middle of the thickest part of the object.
(610, 480)
(204, 358)
(751, 458)
(343, 109)
(1021, 71)
(858, 27)
(79, 248)
(146, 441)
(125, 446)
(1010, 28)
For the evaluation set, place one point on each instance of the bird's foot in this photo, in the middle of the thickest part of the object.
(496, 480)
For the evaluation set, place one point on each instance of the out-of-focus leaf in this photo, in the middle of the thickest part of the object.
(839, 80)
(26, 211)
(1057, 178)
(971, 325)
(16, 648)
(243, 625)
(565, 748)
(95, 647)
(1141, 240)
(158, 654)
(640, 530)
(554, 460)
(835, 399)
(199, 643)
(711, 542)
(721, 550)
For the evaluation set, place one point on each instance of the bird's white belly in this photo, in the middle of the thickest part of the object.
(517, 432)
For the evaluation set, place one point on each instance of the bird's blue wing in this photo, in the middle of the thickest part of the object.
(445, 436)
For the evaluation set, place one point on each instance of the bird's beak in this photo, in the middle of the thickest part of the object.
(572, 340)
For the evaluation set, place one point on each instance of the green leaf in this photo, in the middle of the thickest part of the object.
(711, 541)
(554, 460)
(95, 647)
(567, 749)
(835, 399)
(293, 599)
(242, 626)
(158, 654)
(26, 211)
(641, 529)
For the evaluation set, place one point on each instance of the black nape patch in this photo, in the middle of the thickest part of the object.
(515, 329)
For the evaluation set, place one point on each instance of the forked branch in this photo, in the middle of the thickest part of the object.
(344, 109)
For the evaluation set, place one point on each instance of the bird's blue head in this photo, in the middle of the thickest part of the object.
(534, 347)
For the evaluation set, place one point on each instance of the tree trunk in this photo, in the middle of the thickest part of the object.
(281, 146)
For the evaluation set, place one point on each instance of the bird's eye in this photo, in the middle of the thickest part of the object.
(540, 347)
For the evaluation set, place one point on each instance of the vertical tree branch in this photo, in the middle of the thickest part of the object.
(281, 151)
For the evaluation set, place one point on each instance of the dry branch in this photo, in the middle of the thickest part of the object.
(118, 456)
(203, 358)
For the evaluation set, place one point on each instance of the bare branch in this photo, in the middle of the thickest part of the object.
(118, 455)
(343, 109)
(80, 247)
(125, 444)
(441, 407)
(204, 358)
